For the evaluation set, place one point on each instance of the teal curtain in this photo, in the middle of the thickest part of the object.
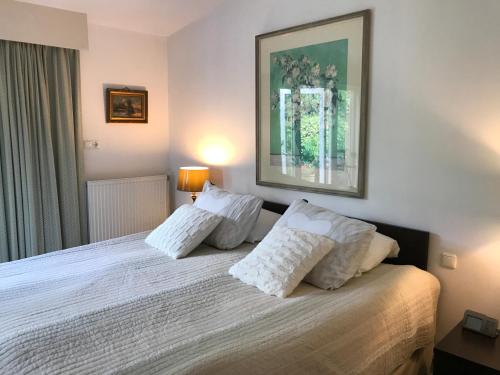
(42, 192)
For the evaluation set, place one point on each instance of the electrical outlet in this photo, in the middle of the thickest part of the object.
(91, 144)
(449, 260)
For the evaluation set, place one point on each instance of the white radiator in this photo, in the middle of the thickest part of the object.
(125, 206)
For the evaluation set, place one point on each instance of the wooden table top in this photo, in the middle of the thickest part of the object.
(472, 346)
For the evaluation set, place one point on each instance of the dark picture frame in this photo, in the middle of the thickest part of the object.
(305, 60)
(126, 106)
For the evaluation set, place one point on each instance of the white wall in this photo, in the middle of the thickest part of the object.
(434, 123)
(124, 58)
(36, 24)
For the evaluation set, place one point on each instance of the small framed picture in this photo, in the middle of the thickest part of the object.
(124, 105)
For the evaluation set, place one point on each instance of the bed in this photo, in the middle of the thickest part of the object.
(122, 307)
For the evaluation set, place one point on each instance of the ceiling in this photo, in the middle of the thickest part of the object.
(158, 17)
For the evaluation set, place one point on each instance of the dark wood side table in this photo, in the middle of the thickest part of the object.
(464, 352)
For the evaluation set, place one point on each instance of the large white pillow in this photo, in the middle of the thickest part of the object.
(352, 239)
(280, 262)
(380, 248)
(239, 213)
(183, 231)
(265, 222)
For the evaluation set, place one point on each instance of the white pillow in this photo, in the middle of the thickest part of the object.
(352, 239)
(394, 253)
(263, 225)
(239, 213)
(280, 262)
(183, 231)
(380, 248)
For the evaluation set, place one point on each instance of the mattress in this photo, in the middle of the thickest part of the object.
(122, 307)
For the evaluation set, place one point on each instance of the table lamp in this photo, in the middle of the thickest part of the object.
(191, 179)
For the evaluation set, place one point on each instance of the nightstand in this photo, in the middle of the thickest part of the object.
(464, 352)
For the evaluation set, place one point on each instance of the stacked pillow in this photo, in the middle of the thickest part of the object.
(352, 238)
(381, 246)
(239, 213)
(219, 218)
(327, 250)
(307, 243)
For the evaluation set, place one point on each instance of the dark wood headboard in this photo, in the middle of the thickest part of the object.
(414, 243)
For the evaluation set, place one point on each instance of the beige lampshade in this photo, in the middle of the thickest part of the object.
(192, 178)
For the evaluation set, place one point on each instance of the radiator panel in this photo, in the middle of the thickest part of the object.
(126, 206)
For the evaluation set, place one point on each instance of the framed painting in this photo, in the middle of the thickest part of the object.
(124, 105)
(311, 105)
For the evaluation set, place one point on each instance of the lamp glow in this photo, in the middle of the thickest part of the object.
(215, 151)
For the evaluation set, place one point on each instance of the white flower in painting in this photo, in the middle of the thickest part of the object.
(275, 97)
(315, 70)
(330, 84)
(305, 60)
(289, 81)
(331, 71)
(282, 60)
(275, 60)
(317, 83)
(295, 72)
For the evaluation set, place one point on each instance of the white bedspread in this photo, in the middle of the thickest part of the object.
(121, 307)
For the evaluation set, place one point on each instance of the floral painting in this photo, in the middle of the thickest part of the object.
(311, 106)
(308, 109)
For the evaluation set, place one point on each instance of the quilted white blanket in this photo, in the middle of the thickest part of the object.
(121, 307)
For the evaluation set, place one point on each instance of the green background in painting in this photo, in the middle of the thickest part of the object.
(325, 54)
